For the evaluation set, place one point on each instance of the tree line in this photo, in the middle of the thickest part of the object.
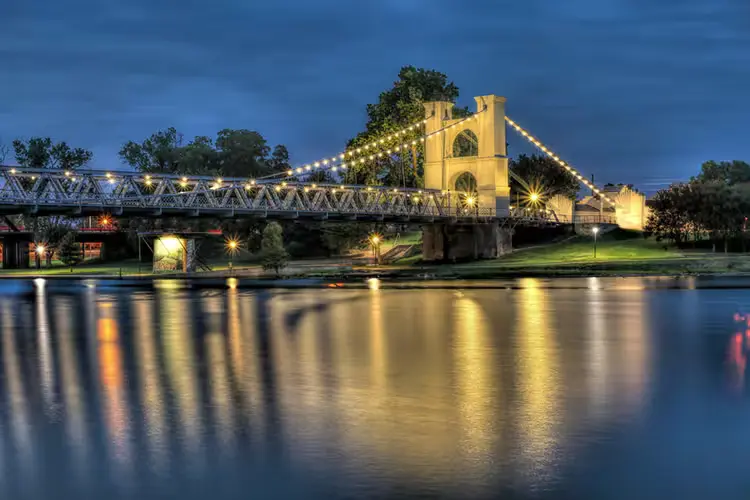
(713, 207)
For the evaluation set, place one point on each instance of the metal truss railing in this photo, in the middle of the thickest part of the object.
(47, 191)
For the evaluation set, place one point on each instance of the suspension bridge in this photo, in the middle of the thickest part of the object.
(463, 186)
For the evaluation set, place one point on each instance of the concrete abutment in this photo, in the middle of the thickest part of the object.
(454, 242)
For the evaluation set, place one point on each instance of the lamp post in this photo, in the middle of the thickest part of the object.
(232, 248)
(595, 230)
(39, 253)
(375, 241)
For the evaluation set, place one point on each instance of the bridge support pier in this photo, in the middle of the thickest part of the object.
(452, 242)
(15, 253)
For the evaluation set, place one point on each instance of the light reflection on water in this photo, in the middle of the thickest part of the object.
(361, 392)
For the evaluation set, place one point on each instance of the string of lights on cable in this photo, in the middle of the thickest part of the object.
(536, 142)
(331, 165)
(350, 153)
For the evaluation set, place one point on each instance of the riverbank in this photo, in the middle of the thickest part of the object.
(620, 253)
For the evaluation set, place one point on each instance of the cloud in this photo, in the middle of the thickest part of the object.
(624, 89)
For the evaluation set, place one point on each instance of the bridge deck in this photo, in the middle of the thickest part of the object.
(91, 192)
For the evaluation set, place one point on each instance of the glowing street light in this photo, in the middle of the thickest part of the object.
(534, 197)
(39, 249)
(375, 242)
(233, 247)
(595, 230)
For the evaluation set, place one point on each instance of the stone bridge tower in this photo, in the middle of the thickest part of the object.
(470, 156)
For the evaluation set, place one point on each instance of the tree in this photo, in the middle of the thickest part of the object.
(242, 153)
(279, 160)
(728, 172)
(542, 174)
(273, 254)
(42, 152)
(198, 158)
(669, 218)
(158, 153)
(69, 250)
(399, 107)
(234, 153)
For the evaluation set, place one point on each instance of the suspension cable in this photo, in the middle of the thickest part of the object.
(536, 142)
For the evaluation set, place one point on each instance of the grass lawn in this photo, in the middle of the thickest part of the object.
(126, 267)
(618, 252)
(615, 246)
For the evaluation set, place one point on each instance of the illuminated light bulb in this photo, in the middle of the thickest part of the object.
(218, 181)
(333, 168)
(111, 181)
(371, 157)
(325, 162)
(283, 184)
(369, 188)
(421, 139)
(343, 166)
(380, 155)
(314, 186)
(381, 141)
(333, 191)
(33, 177)
(359, 150)
(387, 151)
(342, 186)
(148, 182)
(12, 170)
(67, 173)
(299, 170)
(72, 179)
(349, 153)
(308, 167)
(108, 174)
(252, 182)
(395, 190)
(307, 189)
(278, 188)
(413, 143)
(361, 160)
(248, 186)
(333, 160)
(341, 156)
(317, 164)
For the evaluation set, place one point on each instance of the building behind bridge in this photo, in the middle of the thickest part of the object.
(631, 211)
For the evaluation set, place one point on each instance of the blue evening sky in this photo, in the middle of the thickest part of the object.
(636, 91)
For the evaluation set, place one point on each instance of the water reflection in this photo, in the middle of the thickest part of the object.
(539, 379)
(151, 386)
(359, 392)
(72, 389)
(113, 386)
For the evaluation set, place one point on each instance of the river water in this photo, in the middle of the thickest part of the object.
(580, 389)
